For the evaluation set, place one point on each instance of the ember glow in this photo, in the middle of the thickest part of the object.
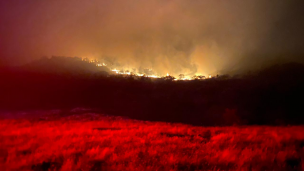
(128, 72)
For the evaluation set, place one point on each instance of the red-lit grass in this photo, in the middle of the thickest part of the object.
(97, 142)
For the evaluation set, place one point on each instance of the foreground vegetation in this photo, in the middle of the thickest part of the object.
(89, 141)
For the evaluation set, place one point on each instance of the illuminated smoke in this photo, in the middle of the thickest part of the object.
(177, 37)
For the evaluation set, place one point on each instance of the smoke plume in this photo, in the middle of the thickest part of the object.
(189, 37)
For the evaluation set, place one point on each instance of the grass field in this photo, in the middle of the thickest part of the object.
(90, 141)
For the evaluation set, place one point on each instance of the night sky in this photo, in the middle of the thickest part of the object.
(197, 36)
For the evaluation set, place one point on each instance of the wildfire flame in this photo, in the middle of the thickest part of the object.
(115, 70)
(153, 76)
(128, 72)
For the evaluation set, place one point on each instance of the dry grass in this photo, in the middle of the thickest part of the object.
(97, 142)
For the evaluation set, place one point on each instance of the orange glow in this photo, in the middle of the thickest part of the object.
(128, 72)
(153, 76)
(115, 70)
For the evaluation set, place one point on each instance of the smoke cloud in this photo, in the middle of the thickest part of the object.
(189, 37)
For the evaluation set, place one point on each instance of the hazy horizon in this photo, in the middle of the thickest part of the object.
(189, 37)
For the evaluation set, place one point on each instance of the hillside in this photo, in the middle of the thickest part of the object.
(269, 97)
(63, 65)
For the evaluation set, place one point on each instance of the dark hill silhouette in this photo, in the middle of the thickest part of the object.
(63, 65)
(270, 96)
(286, 72)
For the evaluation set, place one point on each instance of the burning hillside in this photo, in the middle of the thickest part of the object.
(59, 64)
(144, 72)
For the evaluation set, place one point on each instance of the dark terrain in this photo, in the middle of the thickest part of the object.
(271, 96)
(34, 136)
